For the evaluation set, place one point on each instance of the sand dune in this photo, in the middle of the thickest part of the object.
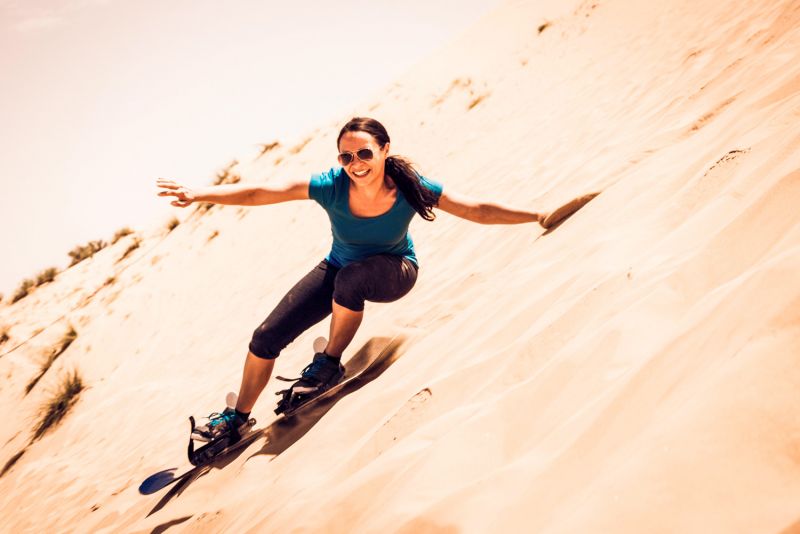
(633, 369)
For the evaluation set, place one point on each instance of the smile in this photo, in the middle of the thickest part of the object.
(361, 174)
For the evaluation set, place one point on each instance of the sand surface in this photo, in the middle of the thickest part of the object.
(634, 369)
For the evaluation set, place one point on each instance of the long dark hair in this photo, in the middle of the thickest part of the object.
(398, 168)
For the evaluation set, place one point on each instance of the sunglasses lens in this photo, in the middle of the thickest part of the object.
(364, 154)
(345, 158)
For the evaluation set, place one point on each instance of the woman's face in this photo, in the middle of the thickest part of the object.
(358, 170)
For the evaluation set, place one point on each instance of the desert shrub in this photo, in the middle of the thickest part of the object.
(23, 290)
(35, 379)
(48, 275)
(225, 176)
(203, 207)
(266, 147)
(122, 232)
(9, 464)
(172, 224)
(133, 246)
(55, 352)
(4, 336)
(70, 336)
(300, 146)
(25, 287)
(477, 100)
(59, 404)
(81, 252)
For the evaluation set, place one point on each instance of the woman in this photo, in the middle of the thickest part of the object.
(370, 201)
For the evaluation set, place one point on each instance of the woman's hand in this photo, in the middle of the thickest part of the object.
(184, 195)
(562, 213)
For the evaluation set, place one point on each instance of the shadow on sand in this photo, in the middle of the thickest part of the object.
(375, 357)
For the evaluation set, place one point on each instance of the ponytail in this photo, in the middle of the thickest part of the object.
(408, 181)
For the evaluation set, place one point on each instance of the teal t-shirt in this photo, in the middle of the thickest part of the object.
(356, 238)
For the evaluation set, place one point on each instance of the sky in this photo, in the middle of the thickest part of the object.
(101, 97)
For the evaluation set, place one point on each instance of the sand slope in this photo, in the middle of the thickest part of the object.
(633, 370)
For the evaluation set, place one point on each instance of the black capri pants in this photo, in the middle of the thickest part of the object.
(381, 278)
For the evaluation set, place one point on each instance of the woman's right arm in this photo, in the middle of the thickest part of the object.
(234, 194)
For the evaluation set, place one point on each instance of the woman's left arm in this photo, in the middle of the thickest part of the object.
(485, 212)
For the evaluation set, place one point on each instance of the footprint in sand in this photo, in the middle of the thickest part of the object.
(407, 419)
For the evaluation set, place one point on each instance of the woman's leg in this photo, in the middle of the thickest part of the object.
(254, 379)
(344, 325)
(382, 278)
(305, 305)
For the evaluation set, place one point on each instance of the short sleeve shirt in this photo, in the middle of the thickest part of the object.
(356, 238)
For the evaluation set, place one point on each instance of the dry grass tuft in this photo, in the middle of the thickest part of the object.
(4, 336)
(266, 147)
(299, 147)
(11, 462)
(225, 176)
(122, 232)
(172, 224)
(133, 246)
(57, 351)
(46, 276)
(23, 290)
(25, 287)
(54, 410)
(477, 100)
(81, 252)
(203, 207)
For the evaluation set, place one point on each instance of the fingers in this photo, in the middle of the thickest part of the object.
(167, 184)
(564, 212)
(170, 188)
(179, 194)
(542, 218)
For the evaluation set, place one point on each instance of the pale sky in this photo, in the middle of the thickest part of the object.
(101, 97)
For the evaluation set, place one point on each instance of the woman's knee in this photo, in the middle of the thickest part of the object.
(265, 343)
(305, 305)
(378, 279)
(348, 289)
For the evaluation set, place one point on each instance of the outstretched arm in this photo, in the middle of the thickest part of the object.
(485, 212)
(234, 194)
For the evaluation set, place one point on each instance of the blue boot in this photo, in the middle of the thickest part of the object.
(221, 424)
(319, 376)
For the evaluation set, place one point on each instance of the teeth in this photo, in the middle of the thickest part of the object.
(362, 173)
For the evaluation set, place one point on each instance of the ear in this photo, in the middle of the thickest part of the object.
(385, 149)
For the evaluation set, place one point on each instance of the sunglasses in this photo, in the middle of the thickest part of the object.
(365, 154)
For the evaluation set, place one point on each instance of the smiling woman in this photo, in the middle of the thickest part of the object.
(369, 141)
(108, 116)
(370, 200)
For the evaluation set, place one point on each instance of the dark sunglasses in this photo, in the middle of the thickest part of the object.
(365, 154)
